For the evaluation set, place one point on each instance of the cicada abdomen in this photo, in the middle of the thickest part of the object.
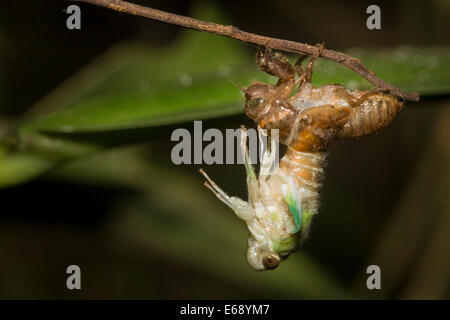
(373, 113)
(300, 176)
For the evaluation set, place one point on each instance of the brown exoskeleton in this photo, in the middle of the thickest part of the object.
(281, 205)
(338, 112)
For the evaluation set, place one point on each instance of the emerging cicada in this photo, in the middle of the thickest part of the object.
(281, 205)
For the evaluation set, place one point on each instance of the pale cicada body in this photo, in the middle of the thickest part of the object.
(281, 205)
(274, 212)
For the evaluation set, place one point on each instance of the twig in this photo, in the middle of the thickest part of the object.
(235, 33)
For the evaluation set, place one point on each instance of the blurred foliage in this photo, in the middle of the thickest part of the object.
(131, 92)
(193, 82)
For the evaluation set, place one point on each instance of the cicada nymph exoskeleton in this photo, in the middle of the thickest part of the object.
(281, 205)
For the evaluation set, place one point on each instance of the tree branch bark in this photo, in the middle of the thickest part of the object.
(235, 33)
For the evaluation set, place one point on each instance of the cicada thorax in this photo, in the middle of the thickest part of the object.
(305, 156)
(280, 117)
(372, 114)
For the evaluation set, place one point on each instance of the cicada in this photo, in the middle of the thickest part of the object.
(281, 205)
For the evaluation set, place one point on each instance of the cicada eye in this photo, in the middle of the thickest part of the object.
(254, 107)
(256, 103)
(270, 261)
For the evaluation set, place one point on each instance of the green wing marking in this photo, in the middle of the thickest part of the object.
(295, 207)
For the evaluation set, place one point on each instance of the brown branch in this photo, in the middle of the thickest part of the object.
(235, 33)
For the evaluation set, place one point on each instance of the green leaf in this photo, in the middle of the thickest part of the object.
(190, 80)
(416, 69)
(20, 167)
(186, 80)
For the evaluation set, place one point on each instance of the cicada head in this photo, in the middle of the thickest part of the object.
(272, 237)
(257, 98)
(268, 108)
(261, 257)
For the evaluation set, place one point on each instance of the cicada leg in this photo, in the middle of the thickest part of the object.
(355, 102)
(309, 67)
(241, 208)
(274, 63)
